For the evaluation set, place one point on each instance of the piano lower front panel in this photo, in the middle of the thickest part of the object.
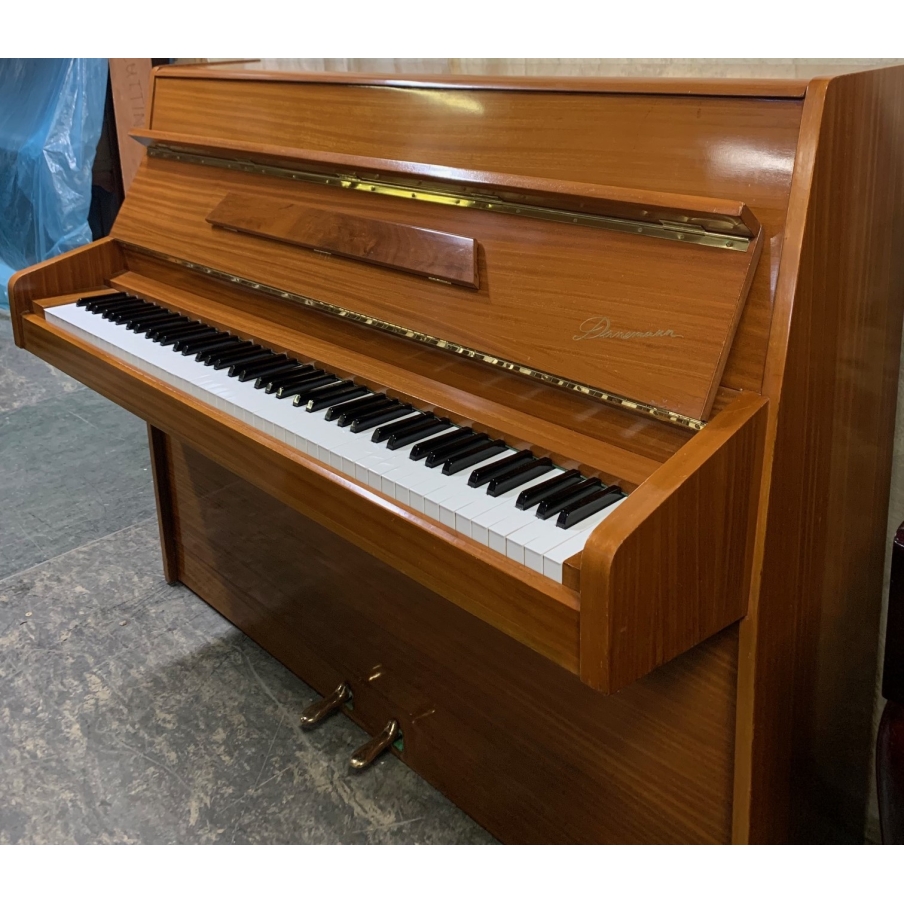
(516, 741)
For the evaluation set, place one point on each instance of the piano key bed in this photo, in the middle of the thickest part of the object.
(523, 507)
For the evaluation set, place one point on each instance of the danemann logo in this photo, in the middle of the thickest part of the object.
(601, 328)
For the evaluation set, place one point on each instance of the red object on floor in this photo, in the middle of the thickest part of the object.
(890, 743)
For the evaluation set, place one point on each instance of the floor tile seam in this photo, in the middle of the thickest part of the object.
(84, 546)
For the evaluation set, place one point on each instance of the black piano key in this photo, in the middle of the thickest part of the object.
(533, 496)
(589, 505)
(381, 434)
(332, 395)
(520, 475)
(262, 378)
(125, 314)
(369, 405)
(309, 382)
(273, 364)
(177, 330)
(239, 367)
(97, 299)
(422, 450)
(97, 307)
(551, 505)
(439, 456)
(210, 333)
(116, 313)
(172, 339)
(203, 346)
(365, 402)
(400, 438)
(500, 468)
(221, 361)
(375, 418)
(216, 355)
(472, 456)
(293, 376)
(145, 321)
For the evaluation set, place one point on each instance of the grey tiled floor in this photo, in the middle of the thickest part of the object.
(129, 710)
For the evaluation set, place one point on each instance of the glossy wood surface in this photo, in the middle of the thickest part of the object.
(571, 429)
(718, 214)
(83, 268)
(424, 252)
(712, 146)
(523, 746)
(655, 328)
(823, 357)
(808, 648)
(672, 564)
(707, 87)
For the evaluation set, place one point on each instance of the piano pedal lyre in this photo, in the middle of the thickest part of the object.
(317, 712)
(367, 753)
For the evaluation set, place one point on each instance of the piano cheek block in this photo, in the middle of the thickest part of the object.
(425, 252)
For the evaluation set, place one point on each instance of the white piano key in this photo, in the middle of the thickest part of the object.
(554, 559)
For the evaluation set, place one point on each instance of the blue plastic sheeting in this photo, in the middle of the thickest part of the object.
(51, 114)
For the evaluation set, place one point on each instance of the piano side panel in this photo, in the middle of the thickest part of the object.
(730, 147)
(520, 744)
(809, 647)
(80, 270)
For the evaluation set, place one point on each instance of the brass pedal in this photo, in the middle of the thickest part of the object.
(367, 753)
(318, 711)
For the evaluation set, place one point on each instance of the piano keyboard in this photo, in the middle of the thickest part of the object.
(525, 508)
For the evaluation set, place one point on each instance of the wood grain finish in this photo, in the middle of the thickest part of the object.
(424, 252)
(524, 747)
(704, 87)
(80, 270)
(703, 146)
(808, 647)
(569, 429)
(809, 384)
(656, 328)
(164, 499)
(672, 563)
(718, 214)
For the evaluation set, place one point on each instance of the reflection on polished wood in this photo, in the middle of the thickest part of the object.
(704, 670)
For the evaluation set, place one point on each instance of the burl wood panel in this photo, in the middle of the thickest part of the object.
(672, 563)
(520, 744)
(646, 318)
(808, 651)
(715, 146)
(424, 252)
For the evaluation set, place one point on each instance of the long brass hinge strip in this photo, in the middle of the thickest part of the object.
(459, 196)
(602, 395)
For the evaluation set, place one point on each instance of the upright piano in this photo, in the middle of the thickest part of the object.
(543, 427)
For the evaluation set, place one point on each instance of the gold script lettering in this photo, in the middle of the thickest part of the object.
(600, 328)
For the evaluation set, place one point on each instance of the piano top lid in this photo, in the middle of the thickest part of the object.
(627, 295)
(563, 84)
